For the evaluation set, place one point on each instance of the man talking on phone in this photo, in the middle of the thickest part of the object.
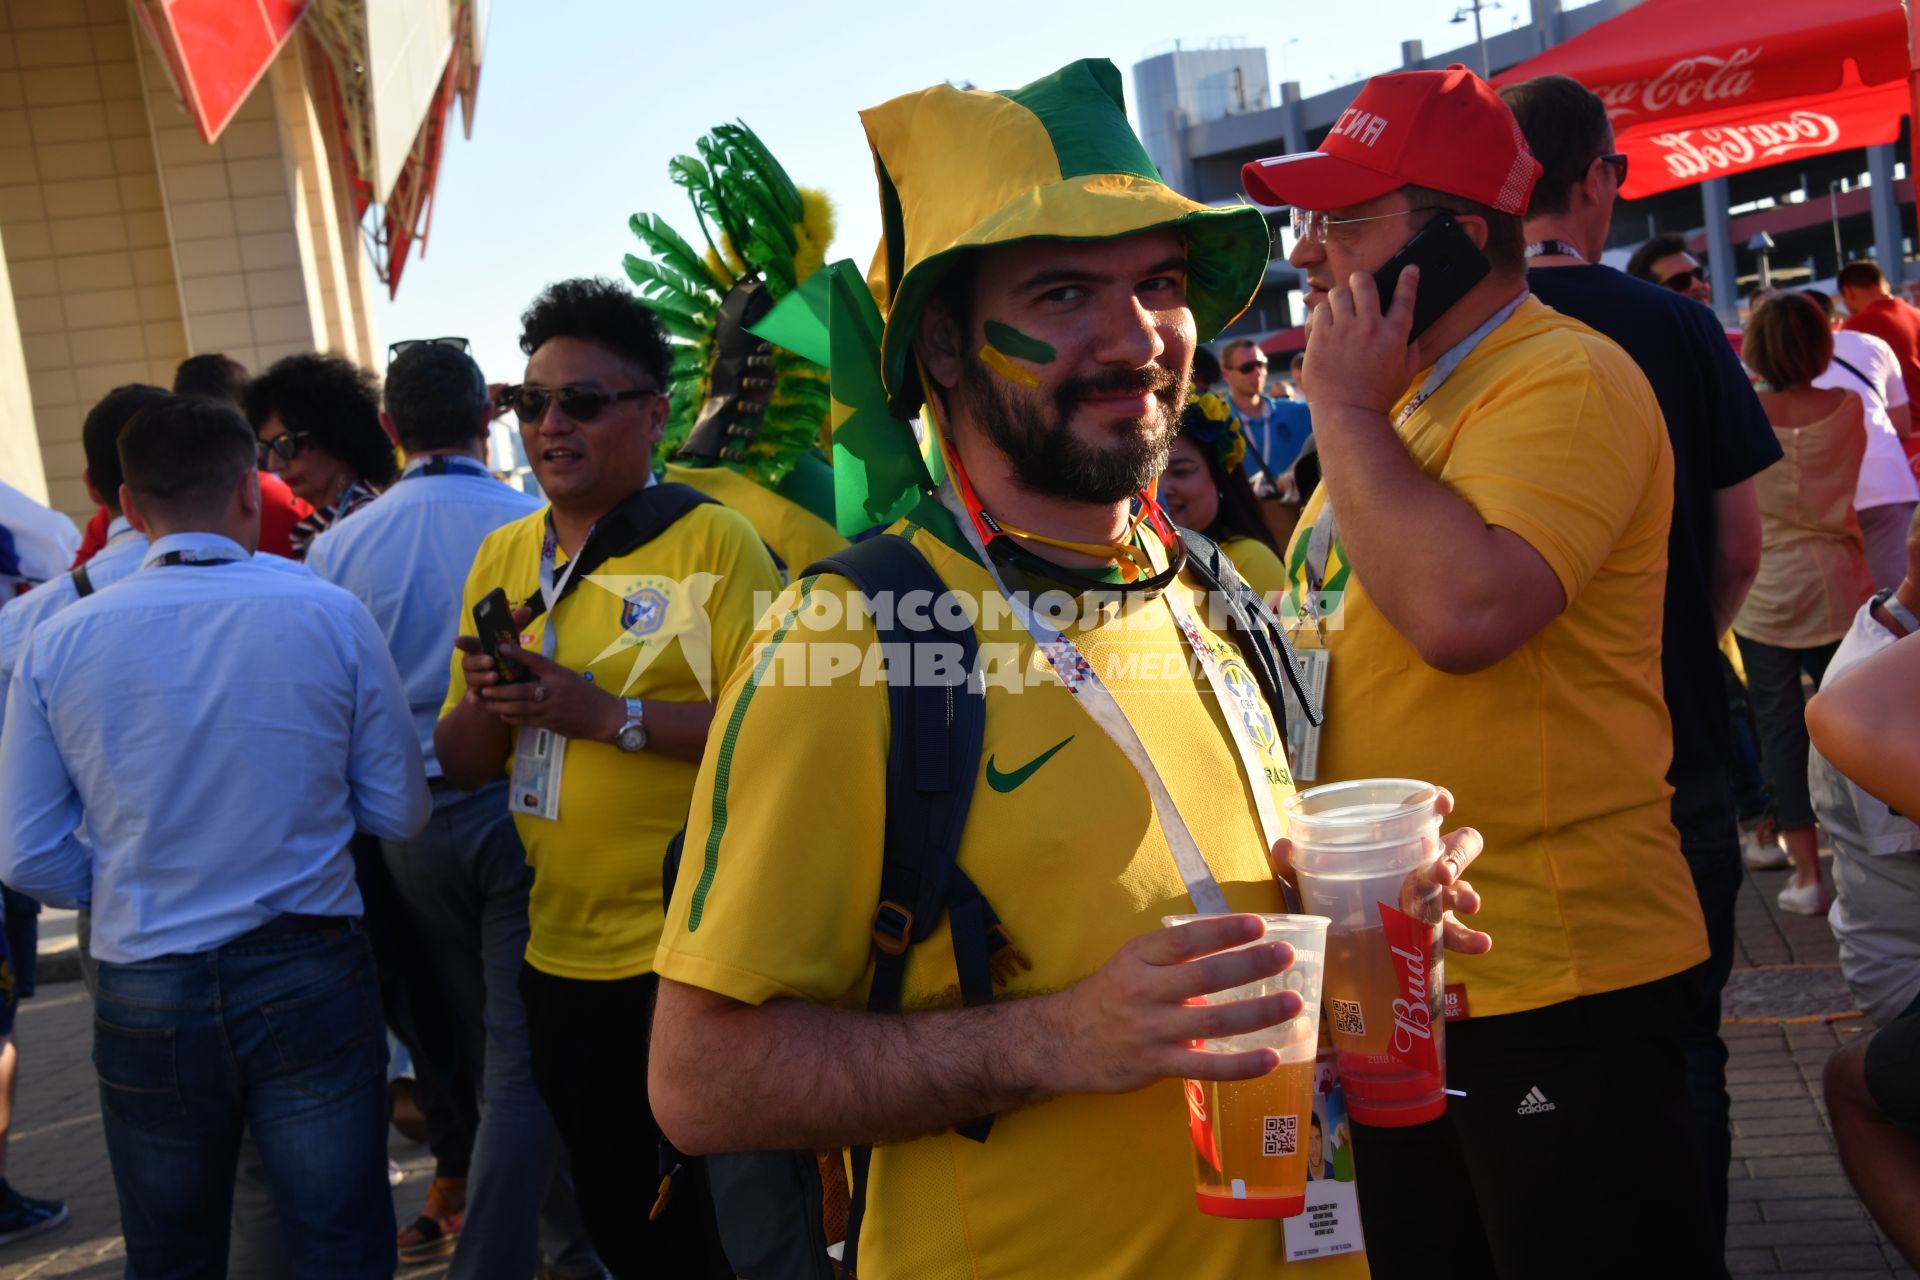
(1486, 557)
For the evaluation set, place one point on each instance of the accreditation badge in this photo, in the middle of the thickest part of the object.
(537, 758)
(1330, 1223)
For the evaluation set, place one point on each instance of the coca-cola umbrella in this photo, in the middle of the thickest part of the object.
(1696, 92)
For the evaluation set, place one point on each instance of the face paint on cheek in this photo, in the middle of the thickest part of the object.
(991, 357)
(1010, 341)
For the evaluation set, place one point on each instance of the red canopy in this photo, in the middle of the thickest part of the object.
(217, 50)
(1697, 91)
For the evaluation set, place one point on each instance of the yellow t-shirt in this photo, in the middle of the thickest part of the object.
(781, 877)
(595, 909)
(796, 535)
(1558, 752)
(1259, 566)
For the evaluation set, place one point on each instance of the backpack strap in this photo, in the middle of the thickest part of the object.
(1262, 639)
(639, 519)
(82, 582)
(933, 761)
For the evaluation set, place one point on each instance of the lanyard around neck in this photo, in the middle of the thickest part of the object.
(1320, 539)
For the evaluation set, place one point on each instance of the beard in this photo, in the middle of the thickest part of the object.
(1034, 432)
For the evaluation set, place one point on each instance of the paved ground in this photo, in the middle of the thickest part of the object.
(1793, 1212)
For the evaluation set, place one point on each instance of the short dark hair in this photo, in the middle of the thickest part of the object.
(1206, 368)
(334, 402)
(1788, 341)
(1824, 301)
(1663, 245)
(1232, 345)
(215, 375)
(1864, 274)
(1506, 232)
(183, 456)
(437, 398)
(1566, 128)
(1293, 365)
(100, 436)
(605, 313)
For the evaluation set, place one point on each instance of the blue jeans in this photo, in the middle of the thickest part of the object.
(278, 1032)
(462, 886)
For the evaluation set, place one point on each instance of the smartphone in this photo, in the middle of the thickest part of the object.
(493, 623)
(1450, 265)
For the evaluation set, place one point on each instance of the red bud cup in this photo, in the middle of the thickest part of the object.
(1355, 845)
(1250, 1136)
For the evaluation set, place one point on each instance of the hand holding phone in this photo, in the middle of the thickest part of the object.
(1450, 263)
(493, 624)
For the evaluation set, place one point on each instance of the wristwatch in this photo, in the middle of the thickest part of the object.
(632, 736)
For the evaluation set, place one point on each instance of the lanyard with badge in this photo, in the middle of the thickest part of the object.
(443, 464)
(1085, 684)
(1303, 738)
(538, 754)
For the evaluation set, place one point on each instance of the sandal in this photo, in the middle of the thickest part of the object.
(436, 1232)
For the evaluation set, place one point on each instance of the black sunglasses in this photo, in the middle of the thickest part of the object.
(529, 403)
(1618, 160)
(1681, 281)
(397, 349)
(287, 445)
(1248, 366)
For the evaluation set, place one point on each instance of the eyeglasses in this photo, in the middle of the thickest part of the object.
(581, 404)
(1248, 366)
(1311, 225)
(286, 445)
(397, 349)
(1681, 281)
(1618, 160)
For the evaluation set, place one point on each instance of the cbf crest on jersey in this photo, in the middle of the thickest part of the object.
(1244, 692)
(657, 612)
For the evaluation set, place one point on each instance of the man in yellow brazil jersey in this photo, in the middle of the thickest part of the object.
(1489, 608)
(1043, 294)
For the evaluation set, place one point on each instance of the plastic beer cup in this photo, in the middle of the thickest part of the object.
(1250, 1136)
(1354, 845)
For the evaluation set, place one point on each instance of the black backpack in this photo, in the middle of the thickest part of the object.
(770, 1204)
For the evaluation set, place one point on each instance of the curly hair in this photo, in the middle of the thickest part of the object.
(335, 403)
(602, 312)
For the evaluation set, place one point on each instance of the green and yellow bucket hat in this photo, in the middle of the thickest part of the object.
(963, 169)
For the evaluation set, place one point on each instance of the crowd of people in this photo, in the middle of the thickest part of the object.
(714, 955)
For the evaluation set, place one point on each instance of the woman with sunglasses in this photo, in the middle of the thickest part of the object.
(318, 419)
(1205, 489)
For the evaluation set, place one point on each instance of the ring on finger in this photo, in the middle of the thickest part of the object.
(539, 693)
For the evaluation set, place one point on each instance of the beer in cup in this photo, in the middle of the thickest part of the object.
(1250, 1136)
(1354, 846)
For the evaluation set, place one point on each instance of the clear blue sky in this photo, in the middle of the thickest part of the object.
(583, 102)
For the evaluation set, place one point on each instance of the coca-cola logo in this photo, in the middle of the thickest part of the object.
(1690, 82)
(1696, 153)
(1416, 966)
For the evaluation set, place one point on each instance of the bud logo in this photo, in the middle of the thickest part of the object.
(1362, 126)
(654, 612)
(1695, 153)
(1416, 966)
(1197, 1123)
(1688, 82)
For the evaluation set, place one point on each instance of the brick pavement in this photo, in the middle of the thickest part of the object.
(1792, 1210)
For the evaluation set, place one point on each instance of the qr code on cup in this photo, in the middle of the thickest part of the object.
(1346, 1018)
(1280, 1136)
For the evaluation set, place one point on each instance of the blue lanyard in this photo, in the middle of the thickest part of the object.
(194, 558)
(443, 464)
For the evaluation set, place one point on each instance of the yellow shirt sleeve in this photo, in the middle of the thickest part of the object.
(748, 583)
(780, 870)
(1562, 455)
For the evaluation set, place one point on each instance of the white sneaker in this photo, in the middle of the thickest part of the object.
(1804, 899)
(1761, 849)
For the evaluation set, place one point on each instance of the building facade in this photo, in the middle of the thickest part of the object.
(131, 242)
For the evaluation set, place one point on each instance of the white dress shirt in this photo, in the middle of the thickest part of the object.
(223, 725)
(126, 548)
(1884, 474)
(406, 556)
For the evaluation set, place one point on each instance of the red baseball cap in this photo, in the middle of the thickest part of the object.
(1447, 130)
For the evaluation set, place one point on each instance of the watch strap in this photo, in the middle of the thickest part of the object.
(1890, 601)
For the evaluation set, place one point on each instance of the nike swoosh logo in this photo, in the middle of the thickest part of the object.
(1008, 781)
